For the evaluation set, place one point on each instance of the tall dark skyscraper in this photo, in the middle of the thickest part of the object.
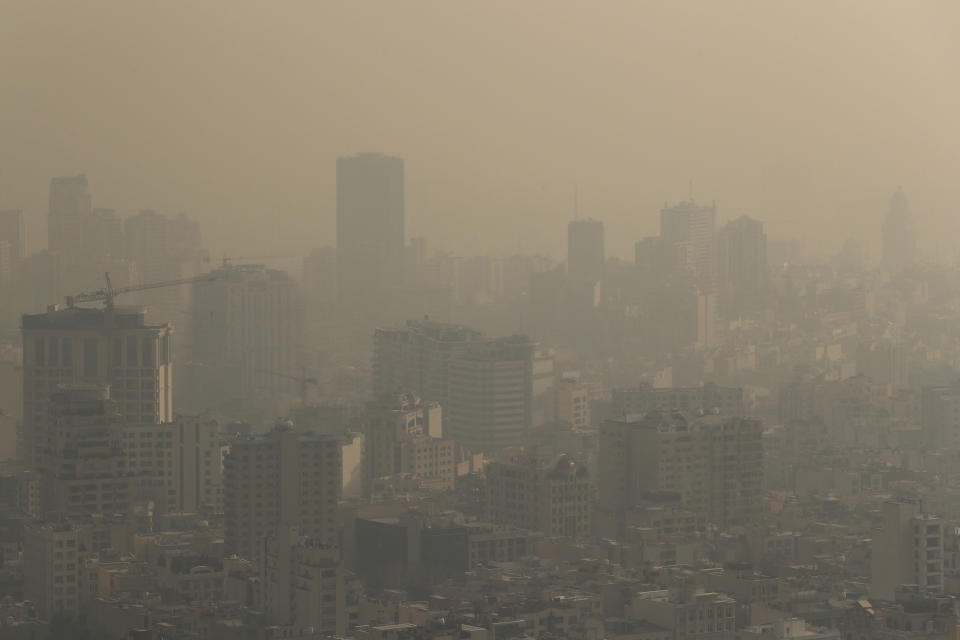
(585, 252)
(370, 233)
(899, 234)
(693, 225)
(742, 266)
(69, 209)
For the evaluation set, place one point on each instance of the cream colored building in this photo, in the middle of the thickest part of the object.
(403, 436)
(303, 583)
(51, 568)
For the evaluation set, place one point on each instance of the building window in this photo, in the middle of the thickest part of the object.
(39, 351)
(66, 352)
(146, 357)
(90, 358)
(131, 351)
(117, 356)
(54, 350)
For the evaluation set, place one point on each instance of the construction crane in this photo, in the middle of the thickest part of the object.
(304, 379)
(108, 293)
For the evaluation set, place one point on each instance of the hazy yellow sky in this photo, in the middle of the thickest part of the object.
(806, 115)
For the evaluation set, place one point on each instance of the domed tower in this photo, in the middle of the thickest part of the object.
(899, 234)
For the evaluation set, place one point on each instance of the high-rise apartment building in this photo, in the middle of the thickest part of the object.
(585, 251)
(86, 472)
(416, 358)
(908, 551)
(51, 568)
(714, 463)
(742, 266)
(70, 205)
(726, 401)
(490, 400)
(688, 222)
(160, 248)
(178, 465)
(899, 234)
(282, 478)
(302, 583)
(403, 435)
(87, 346)
(553, 498)
(12, 232)
(246, 333)
(370, 227)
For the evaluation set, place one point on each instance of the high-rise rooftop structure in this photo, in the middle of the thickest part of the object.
(246, 332)
(370, 227)
(490, 400)
(742, 266)
(899, 234)
(585, 251)
(688, 222)
(69, 210)
(725, 401)
(88, 346)
(283, 478)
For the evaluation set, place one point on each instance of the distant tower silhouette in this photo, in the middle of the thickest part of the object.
(370, 227)
(899, 234)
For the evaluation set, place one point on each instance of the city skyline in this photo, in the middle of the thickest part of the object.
(851, 145)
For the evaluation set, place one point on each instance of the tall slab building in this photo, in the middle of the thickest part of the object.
(245, 335)
(370, 228)
(899, 234)
(693, 225)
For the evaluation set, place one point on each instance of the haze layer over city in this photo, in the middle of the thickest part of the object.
(479, 321)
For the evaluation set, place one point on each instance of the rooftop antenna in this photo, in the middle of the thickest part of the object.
(691, 189)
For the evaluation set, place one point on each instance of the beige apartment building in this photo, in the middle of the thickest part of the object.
(713, 463)
(280, 477)
(178, 465)
(303, 583)
(51, 567)
(554, 499)
(403, 436)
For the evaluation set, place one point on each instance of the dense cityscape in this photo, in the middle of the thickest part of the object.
(532, 320)
(717, 440)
